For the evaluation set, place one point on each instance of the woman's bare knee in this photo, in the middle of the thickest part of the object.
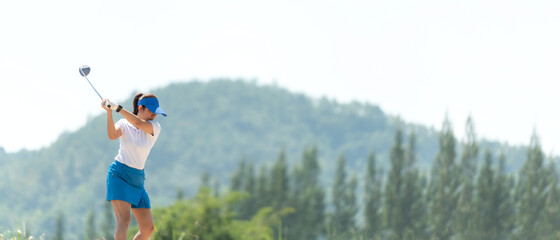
(147, 230)
(145, 222)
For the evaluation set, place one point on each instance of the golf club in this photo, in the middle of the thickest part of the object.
(84, 71)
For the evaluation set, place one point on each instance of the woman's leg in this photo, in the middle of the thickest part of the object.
(122, 211)
(145, 223)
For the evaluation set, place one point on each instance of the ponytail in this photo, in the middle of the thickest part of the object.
(135, 103)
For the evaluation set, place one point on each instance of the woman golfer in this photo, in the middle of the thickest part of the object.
(138, 132)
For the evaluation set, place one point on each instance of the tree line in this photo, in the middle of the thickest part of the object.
(470, 196)
(224, 120)
(466, 196)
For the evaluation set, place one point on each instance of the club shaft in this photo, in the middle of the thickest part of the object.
(94, 88)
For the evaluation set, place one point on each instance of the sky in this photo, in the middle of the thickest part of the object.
(496, 61)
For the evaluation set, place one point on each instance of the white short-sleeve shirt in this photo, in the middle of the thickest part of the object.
(135, 144)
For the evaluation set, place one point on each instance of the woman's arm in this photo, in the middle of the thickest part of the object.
(138, 122)
(112, 131)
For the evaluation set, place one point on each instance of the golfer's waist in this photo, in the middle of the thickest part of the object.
(126, 168)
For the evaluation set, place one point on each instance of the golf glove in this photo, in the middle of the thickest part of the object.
(113, 105)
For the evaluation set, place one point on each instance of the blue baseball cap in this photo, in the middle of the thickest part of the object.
(152, 104)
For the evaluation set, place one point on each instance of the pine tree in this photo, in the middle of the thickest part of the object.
(550, 228)
(394, 205)
(470, 153)
(414, 185)
(352, 204)
(443, 185)
(531, 192)
(486, 219)
(91, 231)
(279, 182)
(243, 180)
(237, 177)
(279, 188)
(344, 201)
(217, 188)
(59, 228)
(205, 180)
(421, 209)
(307, 198)
(373, 199)
(248, 208)
(262, 192)
(180, 194)
(504, 202)
(108, 224)
(463, 220)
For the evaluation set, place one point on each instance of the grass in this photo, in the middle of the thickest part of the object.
(18, 235)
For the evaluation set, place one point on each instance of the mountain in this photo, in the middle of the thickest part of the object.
(211, 126)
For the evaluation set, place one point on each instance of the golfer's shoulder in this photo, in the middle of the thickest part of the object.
(155, 124)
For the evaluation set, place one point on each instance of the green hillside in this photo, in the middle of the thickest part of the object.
(211, 126)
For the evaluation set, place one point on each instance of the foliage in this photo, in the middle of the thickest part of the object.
(373, 199)
(342, 221)
(18, 235)
(444, 185)
(208, 217)
(502, 207)
(210, 127)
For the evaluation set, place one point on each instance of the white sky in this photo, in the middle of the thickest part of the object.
(495, 60)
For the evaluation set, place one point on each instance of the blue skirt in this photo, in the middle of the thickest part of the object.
(127, 184)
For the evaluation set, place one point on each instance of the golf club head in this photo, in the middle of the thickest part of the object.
(84, 70)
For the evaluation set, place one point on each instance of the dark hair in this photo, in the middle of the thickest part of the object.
(137, 98)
